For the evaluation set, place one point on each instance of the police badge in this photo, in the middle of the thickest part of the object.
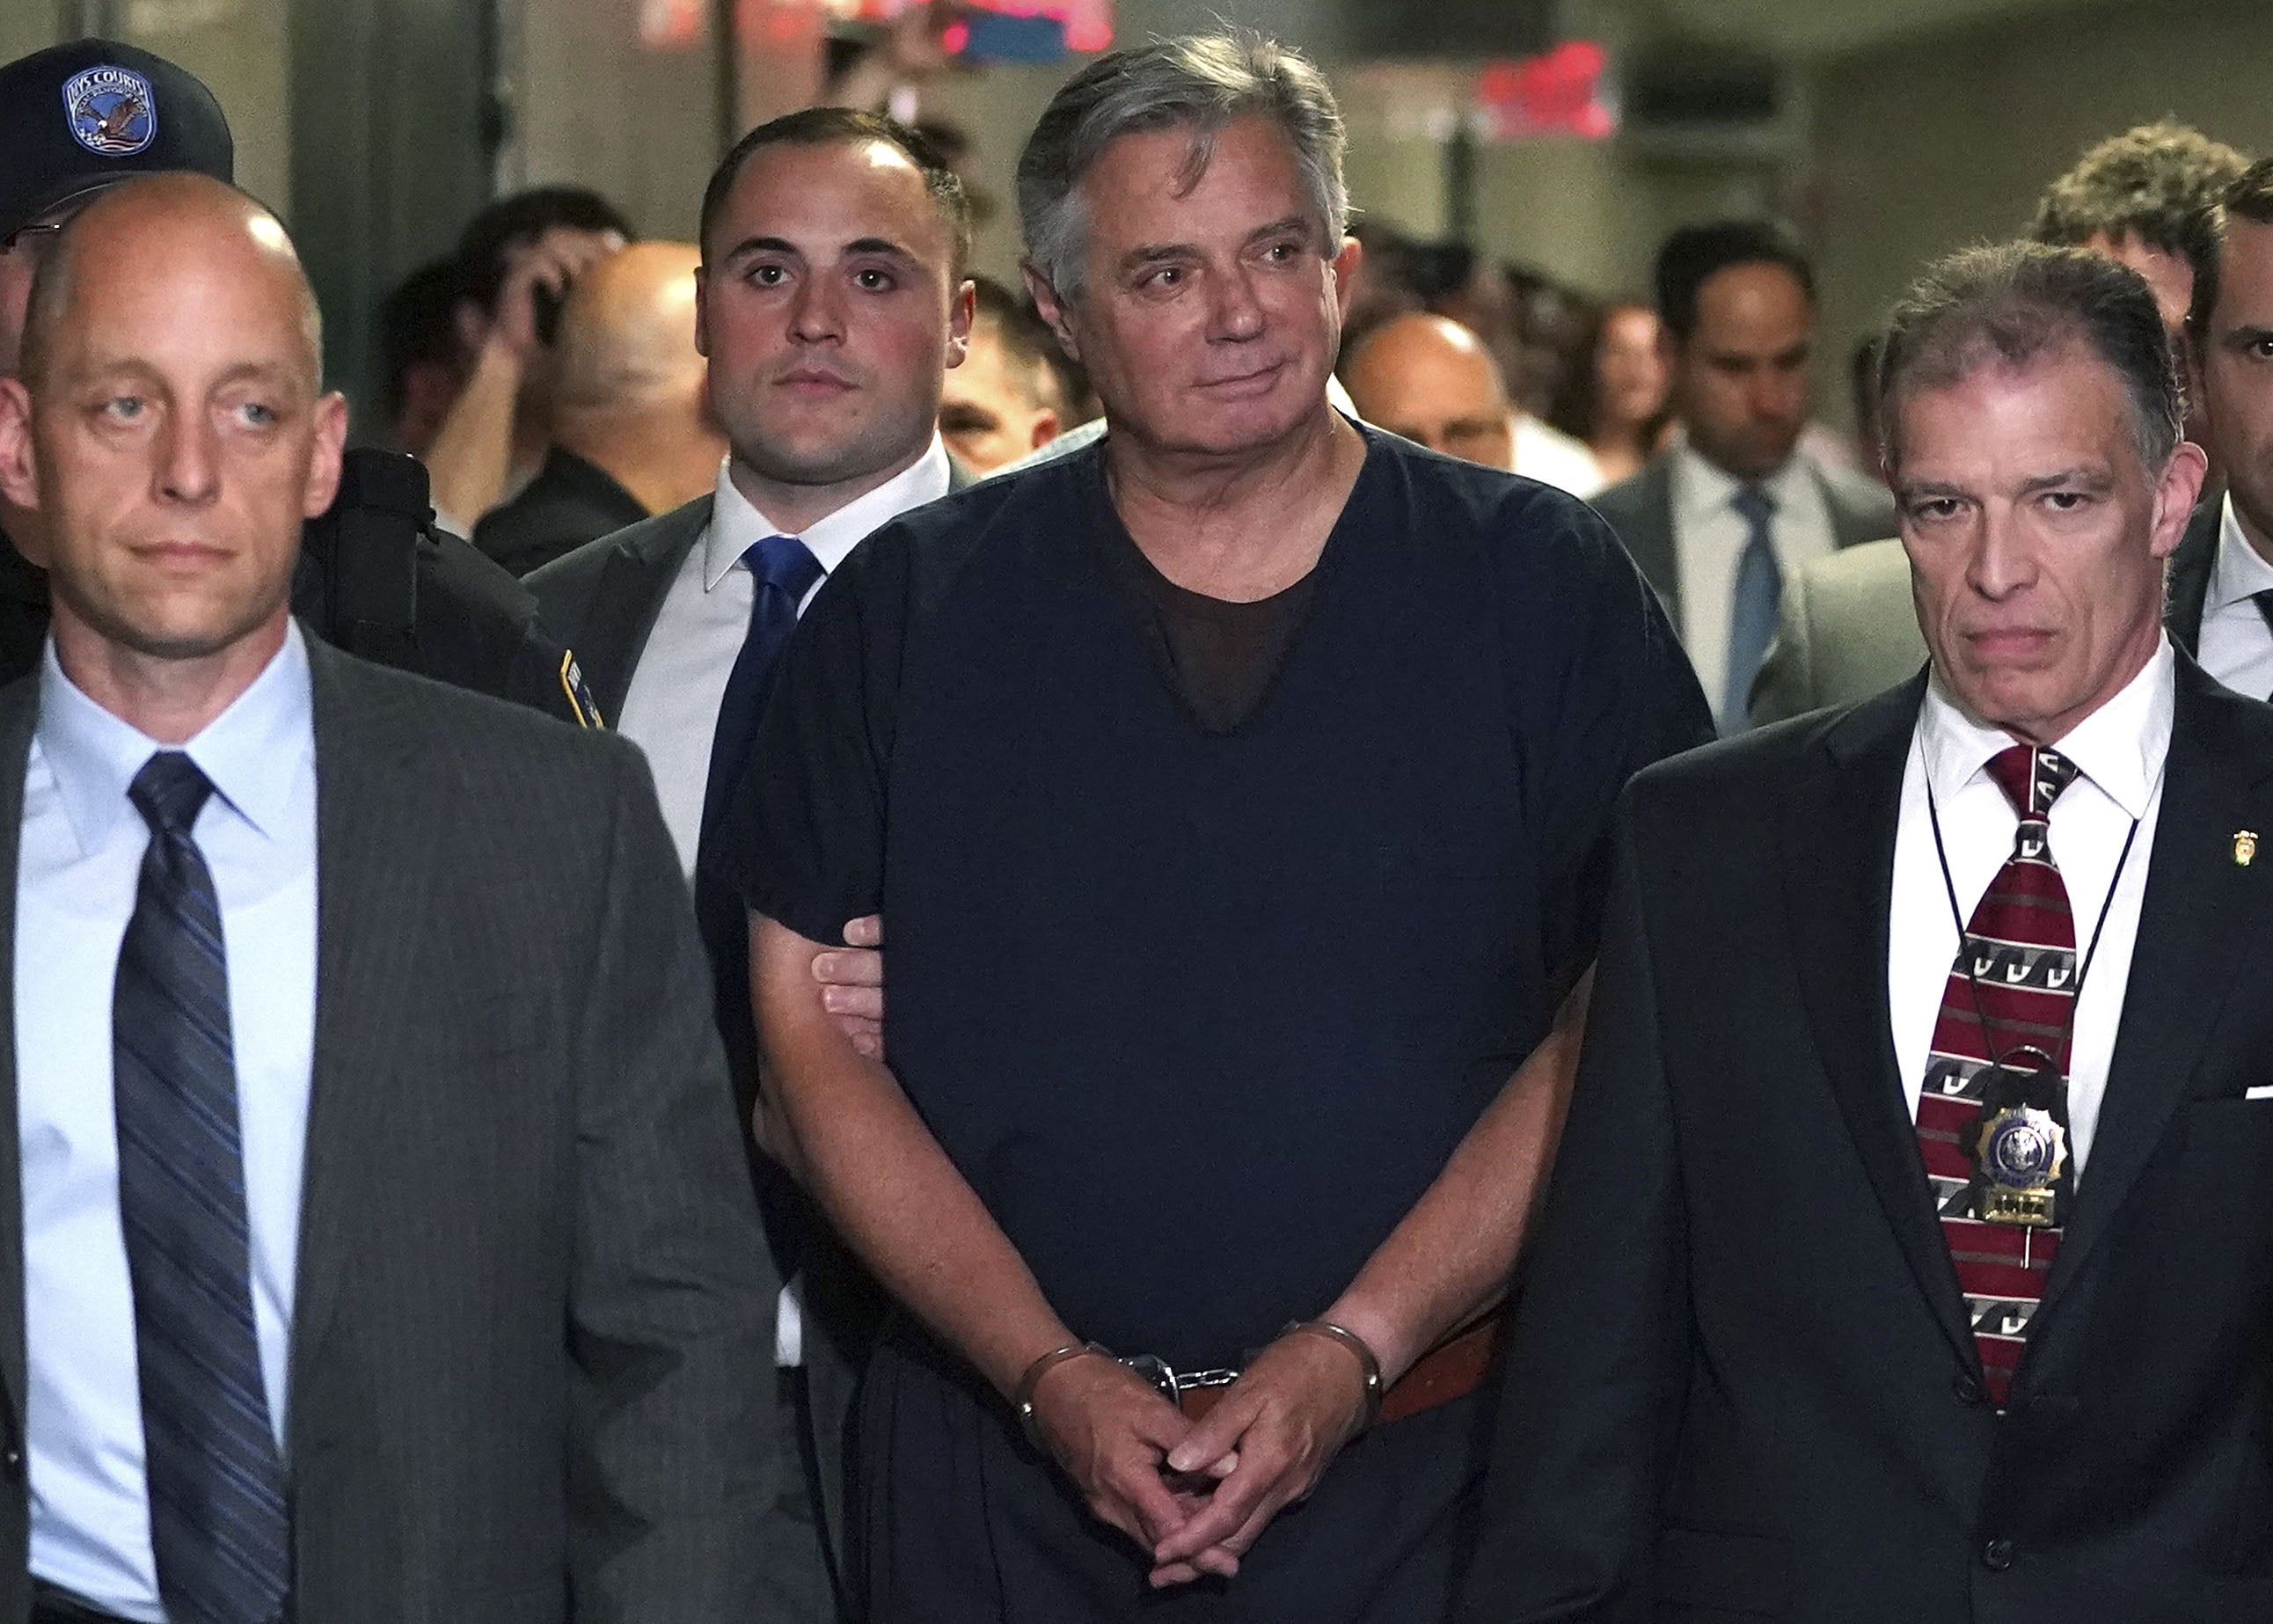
(2017, 1159)
(113, 111)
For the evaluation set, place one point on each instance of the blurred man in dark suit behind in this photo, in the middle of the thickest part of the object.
(633, 433)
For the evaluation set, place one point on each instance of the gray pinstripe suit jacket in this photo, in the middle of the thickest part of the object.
(531, 1358)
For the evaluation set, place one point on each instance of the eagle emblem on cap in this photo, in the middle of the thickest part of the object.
(113, 111)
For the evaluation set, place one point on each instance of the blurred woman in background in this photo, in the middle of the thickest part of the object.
(1618, 405)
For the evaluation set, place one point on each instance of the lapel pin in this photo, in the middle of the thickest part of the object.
(2244, 847)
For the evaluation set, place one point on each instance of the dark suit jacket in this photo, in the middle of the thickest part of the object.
(611, 592)
(23, 611)
(604, 598)
(533, 1312)
(570, 502)
(1640, 509)
(2186, 579)
(1741, 1381)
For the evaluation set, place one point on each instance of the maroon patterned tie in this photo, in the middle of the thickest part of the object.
(2019, 949)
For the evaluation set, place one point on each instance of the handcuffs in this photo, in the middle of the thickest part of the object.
(1173, 1385)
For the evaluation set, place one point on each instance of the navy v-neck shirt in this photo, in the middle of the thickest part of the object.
(1200, 1007)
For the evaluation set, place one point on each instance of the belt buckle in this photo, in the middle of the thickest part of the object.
(1171, 1384)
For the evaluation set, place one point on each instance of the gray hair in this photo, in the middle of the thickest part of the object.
(1202, 82)
(2009, 304)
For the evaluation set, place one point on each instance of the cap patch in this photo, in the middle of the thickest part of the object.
(113, 111)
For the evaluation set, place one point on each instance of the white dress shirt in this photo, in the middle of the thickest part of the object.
(81, 858)
(1545, 453)
(2236, 645)
(1709, 537)
(671, 710)
(2118, 750)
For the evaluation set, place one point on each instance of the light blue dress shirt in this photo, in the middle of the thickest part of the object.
(81, 857)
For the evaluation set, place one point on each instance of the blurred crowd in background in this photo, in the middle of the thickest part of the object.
(504, 365)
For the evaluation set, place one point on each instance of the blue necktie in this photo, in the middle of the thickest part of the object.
(218, 1524)
(1752, 613)
(784, 572)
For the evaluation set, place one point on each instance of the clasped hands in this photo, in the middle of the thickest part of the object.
(1195, 1495)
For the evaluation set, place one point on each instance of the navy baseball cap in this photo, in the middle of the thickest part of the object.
(74, 118)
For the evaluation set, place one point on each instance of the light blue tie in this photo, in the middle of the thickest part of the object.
(1752, 613)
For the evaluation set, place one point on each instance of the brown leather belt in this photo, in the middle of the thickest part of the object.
(1453, 1369)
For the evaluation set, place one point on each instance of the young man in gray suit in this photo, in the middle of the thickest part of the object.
(382, 1250)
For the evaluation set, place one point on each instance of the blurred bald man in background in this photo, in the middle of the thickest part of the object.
(632, 434)
(1434, 382)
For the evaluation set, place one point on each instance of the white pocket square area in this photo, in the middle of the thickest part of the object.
(2264, 1092)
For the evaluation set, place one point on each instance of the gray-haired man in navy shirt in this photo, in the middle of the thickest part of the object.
(1183, 768)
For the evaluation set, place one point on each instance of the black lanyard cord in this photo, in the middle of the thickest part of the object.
(1965, 957)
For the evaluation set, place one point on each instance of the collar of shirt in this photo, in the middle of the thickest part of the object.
(94, 755)
(1701, 490)
(2120, 747)
(2240, 571)
(736, 522)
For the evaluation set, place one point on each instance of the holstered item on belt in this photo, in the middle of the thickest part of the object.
(1450, 1370)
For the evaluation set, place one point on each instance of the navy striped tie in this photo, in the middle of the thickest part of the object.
(218, 1525)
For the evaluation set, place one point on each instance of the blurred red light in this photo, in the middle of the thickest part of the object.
(1558, 92)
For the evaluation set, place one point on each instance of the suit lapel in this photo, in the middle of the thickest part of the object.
(372, 806)
(2192, 935)
(632, 585)
(19, 711)
(1838, 837)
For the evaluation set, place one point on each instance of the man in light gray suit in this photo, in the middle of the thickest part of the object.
(1720, 522)
(1846, 631)
(383, 1252)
